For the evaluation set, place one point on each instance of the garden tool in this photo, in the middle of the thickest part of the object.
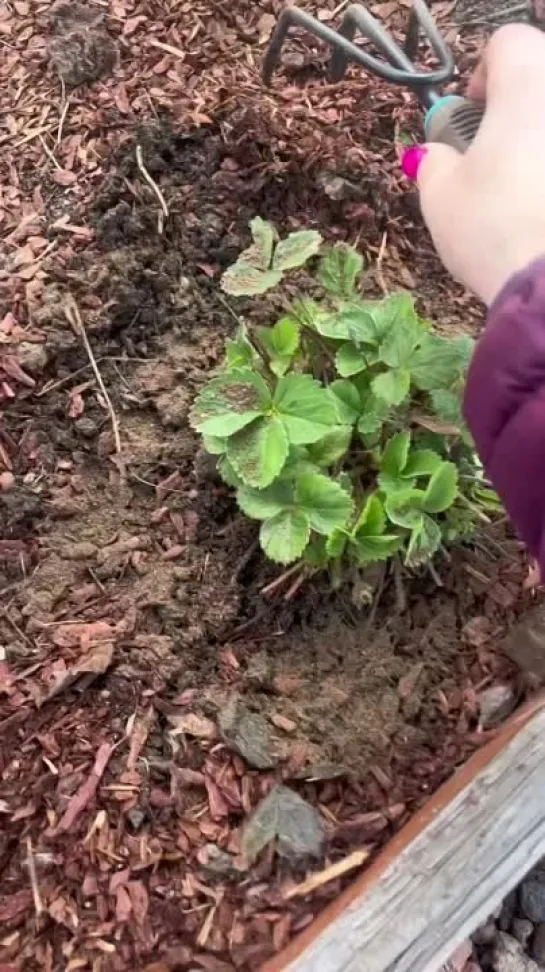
(450, 119)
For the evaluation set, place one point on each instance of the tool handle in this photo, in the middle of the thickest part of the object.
(454, 121)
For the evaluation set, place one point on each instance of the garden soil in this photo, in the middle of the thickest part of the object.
(155, 682)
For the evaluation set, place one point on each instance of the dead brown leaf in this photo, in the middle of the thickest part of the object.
(192, 725)
(94, 664)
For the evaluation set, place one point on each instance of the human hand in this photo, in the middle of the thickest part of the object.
(485, 209)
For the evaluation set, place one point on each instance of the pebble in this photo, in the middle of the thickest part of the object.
(532, 899)
(509, 956)
(507, 912)
(538, 945)
(83, 550)
(32, 356)
(495, 704)
(522, 930)
(486, 934)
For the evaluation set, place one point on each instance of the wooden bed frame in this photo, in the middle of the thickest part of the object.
(445, 871)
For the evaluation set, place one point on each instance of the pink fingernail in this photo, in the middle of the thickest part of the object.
(411, 159)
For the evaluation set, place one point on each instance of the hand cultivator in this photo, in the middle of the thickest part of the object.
(450, 119)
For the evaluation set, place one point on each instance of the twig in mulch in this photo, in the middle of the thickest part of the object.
(379, 274)
(65, 104)
(73, 317)
(317, 880)
(86, 791)
(31, 865)
(164, 213)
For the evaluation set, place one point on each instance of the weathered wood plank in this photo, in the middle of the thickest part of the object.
(451, 876)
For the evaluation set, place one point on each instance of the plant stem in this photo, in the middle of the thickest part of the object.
(275, 584)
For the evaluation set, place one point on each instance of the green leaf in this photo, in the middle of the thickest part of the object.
(389, 312)
(339, 270)
(305, 408)
(374, 549)
(335, 544)
(392, 386)
(442, 488)
(437, 363)
(228, 474)
(404, 508)
(331, 447)
(421, 462)
(332, 325)
(238, 354)
(229, 402)
(349, 360)
(400, 341)
(326, 504)
(396, 452)
(424, 542)
(260, 254)
(447, 406)
(346, 399)
(242, 280)
(284, 536)
(359, 322)
(259, 451)
(214, 445)
(374, 413)
(296, 249)
(261, 504)
(280, 342)
(315, 552)
(372, 519)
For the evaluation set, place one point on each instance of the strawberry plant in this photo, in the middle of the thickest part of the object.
(339, 425)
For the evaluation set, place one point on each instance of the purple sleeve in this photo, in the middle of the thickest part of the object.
(505, 403)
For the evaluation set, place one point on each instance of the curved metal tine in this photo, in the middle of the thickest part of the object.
(406, 75)
(358, 18)
(427, 25)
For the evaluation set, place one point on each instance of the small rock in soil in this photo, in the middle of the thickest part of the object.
(495, 704)
(82, 550)
(538, 945)
(86, 426)
(32, 357)
(507, 911)
(285, 817)
(525, 644)
(248, 734)
(532, 899)
(136, 818)
(509, 956)
(216, 862)
(486, 934)
(522, 929)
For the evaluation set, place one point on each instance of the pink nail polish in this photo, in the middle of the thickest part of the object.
(411, 159)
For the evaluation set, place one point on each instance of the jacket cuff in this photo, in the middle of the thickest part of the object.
(504, 403)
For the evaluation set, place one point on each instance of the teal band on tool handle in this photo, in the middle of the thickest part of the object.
(454, 121)
(446, 100)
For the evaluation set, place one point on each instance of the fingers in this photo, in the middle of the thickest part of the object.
(512, 52)
(436, 177)
(437, 167)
